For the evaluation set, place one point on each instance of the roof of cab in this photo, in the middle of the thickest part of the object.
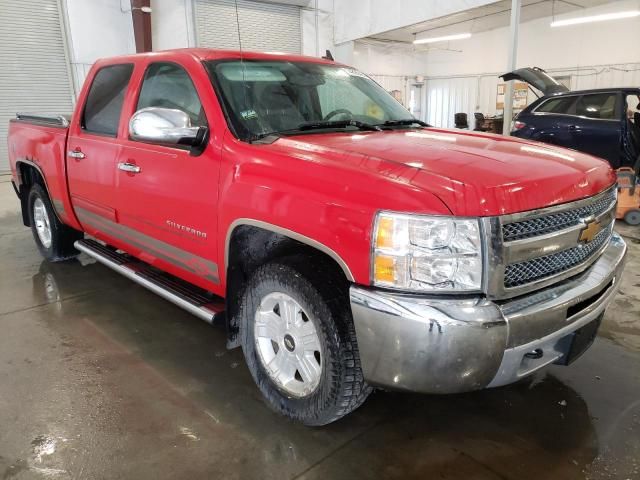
(213, 54)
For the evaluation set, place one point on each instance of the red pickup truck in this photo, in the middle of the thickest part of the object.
(344, 244)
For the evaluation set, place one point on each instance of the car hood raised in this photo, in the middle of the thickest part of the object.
(474, 174)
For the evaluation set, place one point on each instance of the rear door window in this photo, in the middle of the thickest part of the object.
(102, 109)
(563, 105)
(598, 105)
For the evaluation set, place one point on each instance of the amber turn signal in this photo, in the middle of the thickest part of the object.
(384, 269)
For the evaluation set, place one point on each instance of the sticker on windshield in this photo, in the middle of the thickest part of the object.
(249, 114)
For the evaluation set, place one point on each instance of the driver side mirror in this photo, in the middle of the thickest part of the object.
(167, 126)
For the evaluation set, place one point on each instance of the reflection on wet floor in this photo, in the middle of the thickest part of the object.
(101, 379)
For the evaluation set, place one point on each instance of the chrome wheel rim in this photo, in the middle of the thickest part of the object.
(41, 219)
(288, 344)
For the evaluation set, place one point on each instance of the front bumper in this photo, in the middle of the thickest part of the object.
(440, 344)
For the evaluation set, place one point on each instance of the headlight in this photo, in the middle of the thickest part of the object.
(427, 253)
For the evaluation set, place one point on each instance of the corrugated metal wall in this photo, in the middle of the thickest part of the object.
(264, 26)
(34, 76)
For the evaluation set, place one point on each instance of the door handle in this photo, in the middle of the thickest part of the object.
(76, 154)
(573, 127)
(129, 167)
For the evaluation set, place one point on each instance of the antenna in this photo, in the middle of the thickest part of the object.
(244, 83)
(238, 24)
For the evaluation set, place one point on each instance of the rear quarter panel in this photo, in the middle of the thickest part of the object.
(43, 147)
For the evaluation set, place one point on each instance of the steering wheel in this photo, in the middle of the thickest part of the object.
(339, 111)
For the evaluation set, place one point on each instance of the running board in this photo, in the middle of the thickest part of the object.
(195, 300)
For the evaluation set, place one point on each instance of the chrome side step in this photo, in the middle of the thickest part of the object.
(202, 304)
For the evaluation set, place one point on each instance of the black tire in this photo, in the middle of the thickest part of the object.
(632, 217)
(62, 236)
(342, 388)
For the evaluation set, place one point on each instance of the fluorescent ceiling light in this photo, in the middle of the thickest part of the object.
(458, 36)
(595, 18)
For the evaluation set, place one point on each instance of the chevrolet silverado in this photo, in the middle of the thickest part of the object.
(344, 245)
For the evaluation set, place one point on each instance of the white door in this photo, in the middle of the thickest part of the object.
(416, 100)
(34, 72)
(264, 27)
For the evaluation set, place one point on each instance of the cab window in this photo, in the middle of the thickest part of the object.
(102, 109)
(167, 85)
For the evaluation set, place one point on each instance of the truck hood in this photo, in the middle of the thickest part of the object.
(473, 174)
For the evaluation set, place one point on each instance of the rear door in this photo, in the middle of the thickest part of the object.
(551, 121)
(92, 147)
(168, 209)
(597, 126)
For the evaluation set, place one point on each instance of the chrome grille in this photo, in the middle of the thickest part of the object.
(557, 221)
(531, 250)
(518, 274)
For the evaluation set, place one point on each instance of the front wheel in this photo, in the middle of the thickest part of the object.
(300, 345)
(54, 239)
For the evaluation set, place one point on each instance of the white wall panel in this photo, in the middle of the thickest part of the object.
(34, 73)
(448, 96)
(263, 26)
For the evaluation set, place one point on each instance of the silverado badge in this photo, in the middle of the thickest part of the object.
(590, 230)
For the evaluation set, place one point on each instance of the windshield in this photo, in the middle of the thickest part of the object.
(271, 97)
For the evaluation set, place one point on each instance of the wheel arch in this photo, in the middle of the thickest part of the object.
(28, 174)
(250, 243)
(286, 233)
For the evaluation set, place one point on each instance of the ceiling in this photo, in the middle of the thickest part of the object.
(488, 17)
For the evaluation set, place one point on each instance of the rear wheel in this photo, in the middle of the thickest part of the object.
(54, 239)
(300, 345)
(632, 217)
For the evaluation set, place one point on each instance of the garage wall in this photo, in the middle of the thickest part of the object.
(465, 80)
(263, 26)
(356, 19)
(477, 93)
(97, 29)
(35, 74)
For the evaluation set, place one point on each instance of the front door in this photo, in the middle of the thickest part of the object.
(167, 210)
(93, 146)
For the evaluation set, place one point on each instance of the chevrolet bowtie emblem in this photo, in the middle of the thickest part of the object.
(591, 229)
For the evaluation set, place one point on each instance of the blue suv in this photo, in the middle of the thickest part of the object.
(603, 122)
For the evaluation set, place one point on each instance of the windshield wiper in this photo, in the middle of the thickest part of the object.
(406, 121)
(338, 124)
(270, 137)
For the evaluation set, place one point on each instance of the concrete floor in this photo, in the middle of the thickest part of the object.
(101, 379)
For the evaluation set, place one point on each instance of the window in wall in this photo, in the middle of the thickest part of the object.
(599, 105)
(104, 102)
(168, 85)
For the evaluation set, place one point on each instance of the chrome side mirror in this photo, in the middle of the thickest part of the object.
(165, 125)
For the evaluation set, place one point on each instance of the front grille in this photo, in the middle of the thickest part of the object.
(557, 221)
(518, 274)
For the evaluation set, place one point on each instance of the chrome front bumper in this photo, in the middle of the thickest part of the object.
(440, 344)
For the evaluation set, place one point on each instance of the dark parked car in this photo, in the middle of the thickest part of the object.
(604, 122)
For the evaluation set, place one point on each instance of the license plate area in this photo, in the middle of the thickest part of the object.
(576, 343)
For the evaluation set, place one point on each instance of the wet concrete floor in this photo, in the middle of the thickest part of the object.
(101, 379)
